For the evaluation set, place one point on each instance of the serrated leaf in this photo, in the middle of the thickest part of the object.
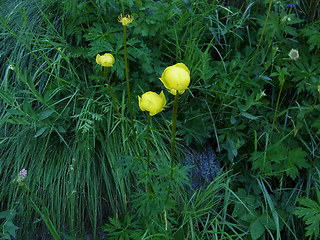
(296, 160)
(256, 229)
(310, 213)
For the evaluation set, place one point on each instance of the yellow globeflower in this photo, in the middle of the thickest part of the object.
(152, 102)
(176, 78)
(125, 19)
(106, 60)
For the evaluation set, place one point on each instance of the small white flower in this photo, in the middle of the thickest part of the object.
(10, 67)
(261, 95)
(294, 54)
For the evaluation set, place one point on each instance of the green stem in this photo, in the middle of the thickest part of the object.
(127, 78)
(173, 132)
(148, 144)
(148, 187)
(173, 138)
(262, 33)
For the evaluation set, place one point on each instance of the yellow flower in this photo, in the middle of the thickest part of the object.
(152, 102)
(125, 19)
(176, 78)
(294, 54)
(106, 60)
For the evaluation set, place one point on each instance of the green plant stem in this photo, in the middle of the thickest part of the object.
(262, 33)
(127, 78)
(173, 138)
(148, 187)
(148, 144)
(173, 132)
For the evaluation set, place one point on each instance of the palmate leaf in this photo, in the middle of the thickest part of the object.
(296, 160)
(310, 213)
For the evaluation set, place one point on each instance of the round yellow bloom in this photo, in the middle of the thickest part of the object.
(176, 78)
(106, 60)
(294, 54)
(125, 19)
(152, 102)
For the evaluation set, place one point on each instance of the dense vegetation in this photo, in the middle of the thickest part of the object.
(94, 172)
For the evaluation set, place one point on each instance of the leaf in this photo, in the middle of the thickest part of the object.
(11, 228)
(4, 214)
(249, 116)
(45, 114)
(310, 213)
(33, 89)
(256, 229)
(40, 132)
(7, 97)
(296, 160)
(13, 120)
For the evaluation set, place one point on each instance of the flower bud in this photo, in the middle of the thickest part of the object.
(152, 102)
(106, 60)
(176, 78)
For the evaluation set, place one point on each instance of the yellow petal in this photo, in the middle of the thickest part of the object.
(181, 65)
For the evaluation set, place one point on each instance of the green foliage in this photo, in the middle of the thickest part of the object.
(8, 228)
(311, 32)
(309, 211)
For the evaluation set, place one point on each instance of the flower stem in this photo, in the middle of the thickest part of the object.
(127, 78)
(173, 132)
(149, 186)
(148, 144)
(173, 138)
